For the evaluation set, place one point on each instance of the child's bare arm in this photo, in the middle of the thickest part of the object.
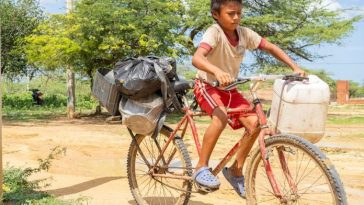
(200, 61)
(279, 54)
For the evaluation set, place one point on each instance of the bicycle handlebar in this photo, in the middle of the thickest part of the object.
(242, 80)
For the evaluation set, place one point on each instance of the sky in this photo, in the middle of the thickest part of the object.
(346, 61)
(342, 62)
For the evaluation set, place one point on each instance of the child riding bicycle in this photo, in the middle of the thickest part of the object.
(218, 58)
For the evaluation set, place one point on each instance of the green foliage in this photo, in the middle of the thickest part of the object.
(18, 100)
(86, 102)
(186, 71)
(294, 25)
(98, 33)
(18, 189)
(190, 75)
(346, 120)
(356, 90)
(197, 20)
(24, 101)
(50, 46)
(18, 18)
(325, 76)
(17, 97)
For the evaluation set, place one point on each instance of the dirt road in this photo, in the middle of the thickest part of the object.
(95, 162)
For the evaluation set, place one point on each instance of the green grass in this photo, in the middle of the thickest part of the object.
(346, 120)
(176, 117)
(18, 103)
(33, 115)
(346, 108)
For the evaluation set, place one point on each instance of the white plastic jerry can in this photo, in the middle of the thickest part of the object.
(300, 108)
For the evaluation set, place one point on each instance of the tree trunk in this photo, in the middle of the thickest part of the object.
(1, 124)
(71, 98)
(98, 107)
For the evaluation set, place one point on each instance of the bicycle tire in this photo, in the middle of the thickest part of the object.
(256, 182)
(165, 191)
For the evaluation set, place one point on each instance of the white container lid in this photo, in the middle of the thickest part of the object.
(313, 91)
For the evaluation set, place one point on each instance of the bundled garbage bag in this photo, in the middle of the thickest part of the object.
(148, 94)
(138, 77)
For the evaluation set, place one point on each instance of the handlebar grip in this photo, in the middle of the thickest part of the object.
(215, 84)
(295, 77)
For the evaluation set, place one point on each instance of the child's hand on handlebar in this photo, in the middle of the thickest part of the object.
(301, 72)
(224, 78)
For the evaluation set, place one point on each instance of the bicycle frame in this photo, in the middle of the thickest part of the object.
(262, 131)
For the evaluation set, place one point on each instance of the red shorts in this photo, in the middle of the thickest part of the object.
(209, 98)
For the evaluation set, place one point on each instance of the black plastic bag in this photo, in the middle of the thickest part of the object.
(137, 77)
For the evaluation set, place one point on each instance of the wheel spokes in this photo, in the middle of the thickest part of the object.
(312, 184)
(160, 190)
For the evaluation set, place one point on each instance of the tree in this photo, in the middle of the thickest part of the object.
(99, 33)
(110, 30)
(356, 90)
(294, 25)
(50, 47)
(105, 31)
(18, 18)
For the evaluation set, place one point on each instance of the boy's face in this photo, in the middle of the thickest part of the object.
(229, 15)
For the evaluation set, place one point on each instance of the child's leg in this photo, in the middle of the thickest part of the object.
(247, 142)
(212, 133)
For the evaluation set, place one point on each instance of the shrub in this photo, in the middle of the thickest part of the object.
(21, 100)
(18, 189)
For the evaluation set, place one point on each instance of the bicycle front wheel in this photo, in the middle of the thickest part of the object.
(148, 189)
(315, 178)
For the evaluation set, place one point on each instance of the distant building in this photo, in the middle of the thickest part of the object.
(342, 93)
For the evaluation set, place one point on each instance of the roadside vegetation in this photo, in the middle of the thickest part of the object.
(19, 189)
(346, 120)
(19, 105)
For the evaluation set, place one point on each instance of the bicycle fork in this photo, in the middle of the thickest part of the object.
(265, 157)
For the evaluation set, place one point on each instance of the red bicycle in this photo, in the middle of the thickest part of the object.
(283, 169)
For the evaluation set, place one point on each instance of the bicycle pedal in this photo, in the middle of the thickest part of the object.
(204, 190)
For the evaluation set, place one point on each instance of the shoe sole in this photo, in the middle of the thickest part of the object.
(235, 189)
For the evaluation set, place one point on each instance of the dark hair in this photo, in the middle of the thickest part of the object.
(216, 4)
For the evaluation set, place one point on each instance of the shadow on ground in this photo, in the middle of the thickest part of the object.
(166, 200)
(82, 186)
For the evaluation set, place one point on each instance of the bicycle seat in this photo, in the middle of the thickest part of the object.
(182, 85)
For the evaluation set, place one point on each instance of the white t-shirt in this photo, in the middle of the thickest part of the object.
(223, 54)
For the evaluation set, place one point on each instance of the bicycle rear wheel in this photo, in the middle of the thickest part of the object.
(315, 177)
(148, 189)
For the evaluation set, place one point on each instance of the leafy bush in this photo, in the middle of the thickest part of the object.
(21, 100)
(17, 95)
(86, 102)
(356, 90)
(24, 101)
(18, 189)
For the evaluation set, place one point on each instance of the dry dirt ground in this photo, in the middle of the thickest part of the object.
(95, 162)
